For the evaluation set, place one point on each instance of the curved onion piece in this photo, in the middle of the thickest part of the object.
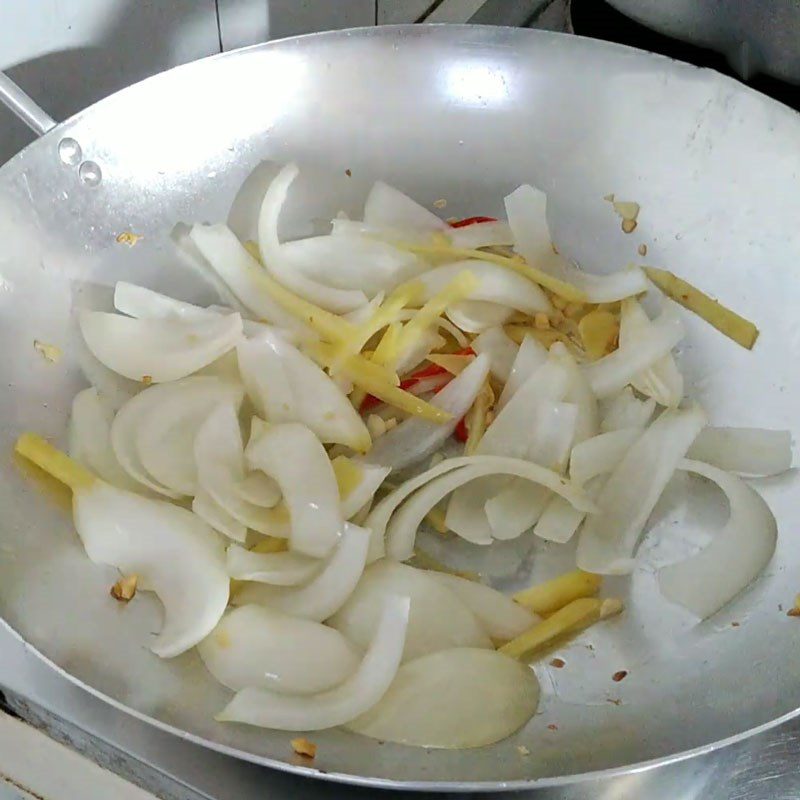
(90, 439)
(210, 511)
(558, 521)
(327, 592)
(161, 349)
(259, 489)
(600, 454)
(343, 262)
(229, 259)
(527, 359)
(371, 479)
(287, 386)
(219, 457)
(279, 569)
(360, 315)
(662, 381)
(496, 284)
(280, 265)
(437, 620)
(580, 393)
(261, 648)
(477, 316)
(141, 303)
(613, 372)
(625, 410)
(509, 435)
(608, 539)
(142, 537)
(454, 699)
(415, 439)
(500, 350)
(518, 506)
(308, 485)
(526, 208)
(751, 451)
(169, 422)
(174, 411)
(337, 706)
(482, 234)
(499, 615)
(708, 580)
(402, 529)
(387, 207)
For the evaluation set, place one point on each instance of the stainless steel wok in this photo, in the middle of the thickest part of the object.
(464, 114)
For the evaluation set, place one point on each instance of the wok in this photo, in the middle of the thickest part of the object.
(463, 114)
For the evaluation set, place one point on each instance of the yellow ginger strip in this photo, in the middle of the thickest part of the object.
(544, 598)
(54, 462)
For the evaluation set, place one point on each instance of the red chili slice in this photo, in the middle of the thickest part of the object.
(462, 223)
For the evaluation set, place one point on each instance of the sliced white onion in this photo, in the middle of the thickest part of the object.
(495, 284)
(388, 208)
(625, 410)
(482, 234)
(600, 454)
(608, 539)
(708, 580)
(159, 349)
(258, 647)
(361, 314)
(580, 393)
(259, 489)
(327, 592)
(527, 359)
(662, 381)
(372, 476)
(500, 350)
(229, 259)
(281, 267)
(453, 699)
(176, 409)
(169, 422)
(750, 451)
(526, 208)
(477, 316)
(210, 511)
(415, 439)
(499, 615)
(437, 620)
(337, 706)
(219, 458)
(141, 537)
(518, 506)
(287, 386)
(401, 531)
(293, 456)
(141, 303)
(613, 372)
(90, 439)
(278, 569)
(559, 521)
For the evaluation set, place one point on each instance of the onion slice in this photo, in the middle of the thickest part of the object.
(499, 615)
(477, 316)
(608, 539)
(527, 359)
(501, 351)
(210, 511)
(482, 234)
(389, 208)
(416, 439)
(158, 349)
(453, 699)
(750, 451)
(600, 454)
(437, 620)
(327, 592)
(90, 439)
(708, 580)
(293, 456)
(257, 647)
(281, 266)
(267, 709)
(625, 410)
(141, 303)
(362, 493)
(278, 569)
(287, 386)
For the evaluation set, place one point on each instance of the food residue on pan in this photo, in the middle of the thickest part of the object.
(619, 676)
(129, 238)
(49, 352)
(304, 747)
(125, 588)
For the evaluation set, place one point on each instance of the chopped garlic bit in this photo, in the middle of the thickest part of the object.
(642, 249)
(303, 747)
(129, 238)
(522, 750)
(376, 426)
(125, 588)
(541, 321)
(50, 352)
(441, 203)
(147, 379)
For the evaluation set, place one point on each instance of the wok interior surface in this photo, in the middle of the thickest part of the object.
(462, 114)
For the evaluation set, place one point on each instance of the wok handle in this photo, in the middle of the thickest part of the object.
(22, 106)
